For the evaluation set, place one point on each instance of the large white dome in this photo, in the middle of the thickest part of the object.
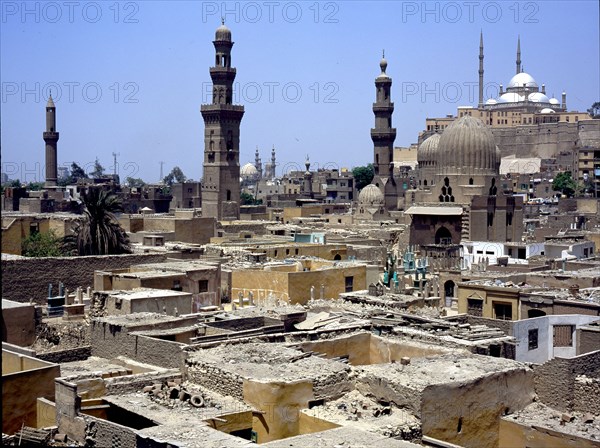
(538, 97)
(547, 111)
(248, 170)
(491, 101)
(510, 97)
(554, 101)
(522, 80)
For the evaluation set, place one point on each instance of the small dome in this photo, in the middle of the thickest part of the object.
(547, 110)
(510, 97)
(370, 195)
(522, 80)
(554, 101)
(428, 150)
(248, 171)
(466, 146)
(223, 33)
(538, 97)
(491, 101)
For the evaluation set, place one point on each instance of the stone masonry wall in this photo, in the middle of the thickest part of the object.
(28, 278)
(586, 391)
(555, 380)
(332, 387)
(110, 341)
(213, 378)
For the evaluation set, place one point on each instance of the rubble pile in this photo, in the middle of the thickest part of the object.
(359, 411)
(61, 336)
(174, 394)
(582, 424)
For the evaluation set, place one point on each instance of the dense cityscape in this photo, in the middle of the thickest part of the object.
(445, 293)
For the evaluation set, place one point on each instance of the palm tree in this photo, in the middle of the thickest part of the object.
(99, 232)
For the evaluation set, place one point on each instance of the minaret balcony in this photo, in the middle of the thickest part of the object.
(50, 135)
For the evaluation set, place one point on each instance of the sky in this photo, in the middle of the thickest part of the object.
(129, 77)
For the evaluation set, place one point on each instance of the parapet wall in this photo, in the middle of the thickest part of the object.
(27, 279)
(555, 381)
(221, 381)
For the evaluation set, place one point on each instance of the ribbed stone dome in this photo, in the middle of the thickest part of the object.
(223, 33)
(248, 170)
(427, 152)
(467, 146)
(370, 195)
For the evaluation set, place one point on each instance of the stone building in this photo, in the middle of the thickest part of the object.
(221, 179)
(459, 198)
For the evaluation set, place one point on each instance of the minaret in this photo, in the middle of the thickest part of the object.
(480, 105)
(383, 135)
(307, 187)
(518, 55)
(563, 103)
(272, 173)
(221, 179)
(51, 138)
(258, 163)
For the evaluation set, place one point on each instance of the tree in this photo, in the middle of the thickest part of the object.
(594, 111)
(99, 232)
(564, 183)
(248, 199)
(98, 169)
(35, 186)
(176, 175)
(135, 182)
(76, 173)
(363, 175)
(41, 245)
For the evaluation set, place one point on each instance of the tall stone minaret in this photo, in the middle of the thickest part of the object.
(383, 135)
(221, 179)
(258, 163)
(272, 173)
(519, 55)
(51, 139)
(480, 105)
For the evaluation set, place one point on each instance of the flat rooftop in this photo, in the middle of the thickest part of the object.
(147, 293)
(540, 415)
(442, 369)
(135, 319)
(268, 362)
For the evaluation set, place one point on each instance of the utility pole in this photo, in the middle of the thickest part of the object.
(161, 171)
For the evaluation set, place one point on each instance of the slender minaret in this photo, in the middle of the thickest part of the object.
(563, 104)
(51, 139)
(221, 179)
(273, 163)
(383, 135)
(519, 55)
(481, 70)
(258, 163)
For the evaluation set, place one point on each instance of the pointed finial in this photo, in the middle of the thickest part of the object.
(222, 20)
(383, 54)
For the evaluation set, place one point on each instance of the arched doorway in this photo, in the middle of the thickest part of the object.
(443, 236)
(337, 257)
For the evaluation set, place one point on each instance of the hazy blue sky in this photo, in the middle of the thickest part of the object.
(130, 77)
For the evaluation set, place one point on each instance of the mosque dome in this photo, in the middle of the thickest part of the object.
(223, 33)
(248, 171)
(370, 195)
(510, 97)
(547, 110)
(467, 146)
(554, 101)
(491, 101)
(522, 80)
(538, 97)
(426, 154)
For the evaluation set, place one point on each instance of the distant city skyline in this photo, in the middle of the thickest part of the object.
(130, 77)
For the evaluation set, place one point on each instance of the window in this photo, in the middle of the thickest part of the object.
(349, 284)
(475, 307)
(177, 285)
(563, 335)
(502, 311)
(202, 285)
(533, 339)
